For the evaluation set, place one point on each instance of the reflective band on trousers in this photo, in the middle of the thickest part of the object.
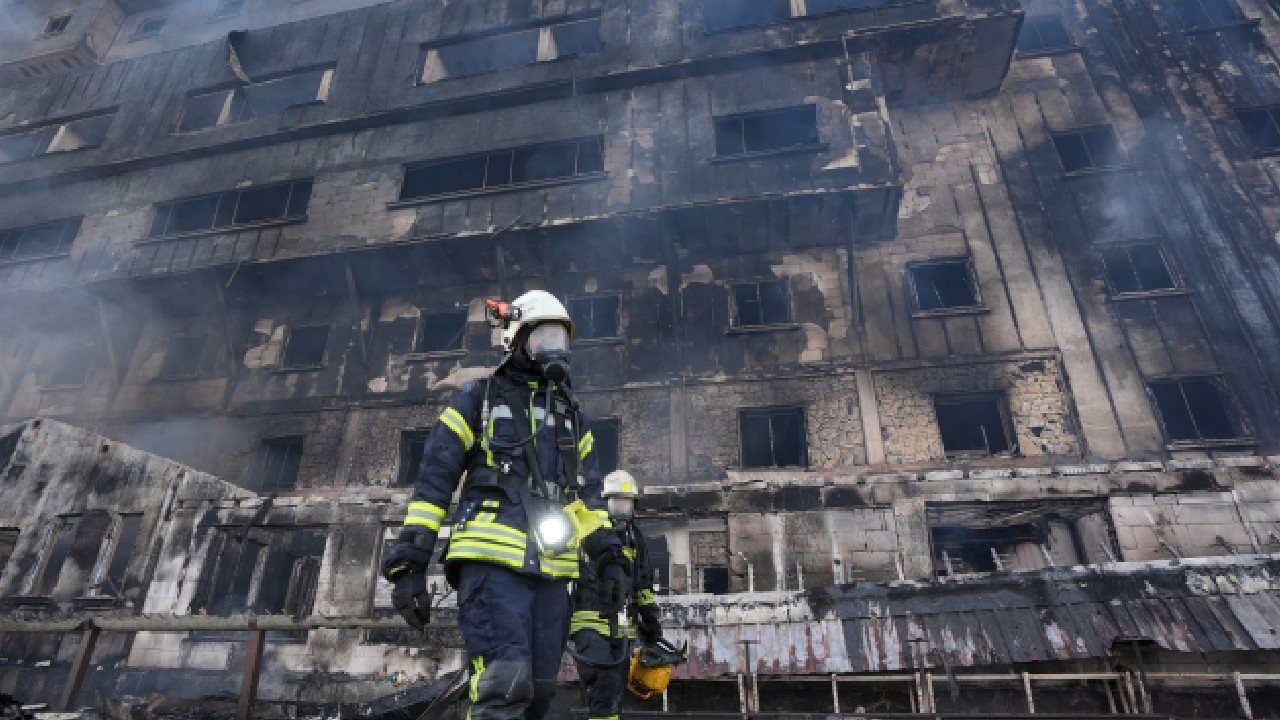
(595, 621)
(424, 514)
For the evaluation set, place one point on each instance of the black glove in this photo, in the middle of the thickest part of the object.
(614, 584)
(411, 599)
(412, 552)
(603, 548)
(648, 627)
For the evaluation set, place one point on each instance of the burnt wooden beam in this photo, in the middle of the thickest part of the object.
(252, 672)
(79, 666)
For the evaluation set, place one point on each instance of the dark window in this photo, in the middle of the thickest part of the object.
(1205, 13)
(442, 331)
(943, 285)
(503, 168)
(277, 463)
(126, 538)
(150, 27)
(304, 347)
(973, 425)
(84, 133)
(286, 201)
(1193, 409)
(38, 241)
(511, 50)
(725, 14)
(1043, 33)
(1088, 149)
(762, 303)
(413, 443)
(261, 99)
(1261, 126)
(228, 8)
(1137, 269)
(263, 570)
(290, 572)
(773, 437)
(231, 576)
(573, 39)
(605, 433)
(72, 366)
(594, 317)
(8, 541)
(715, 580)
(817, 7)
(182, 356)
(26, 144)
(765, 131)
(57, 25)
(62, 538)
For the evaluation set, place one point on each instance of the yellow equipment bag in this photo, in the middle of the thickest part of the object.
(645, 682)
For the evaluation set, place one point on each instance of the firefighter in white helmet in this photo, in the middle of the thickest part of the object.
(609, 612)
(531, 506)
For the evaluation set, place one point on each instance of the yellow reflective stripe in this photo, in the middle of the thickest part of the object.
(477, 666)
(494, 530)
(454, 420)
(630, 552)
(587, 442)
(486, 517)
(488, 453)
(611, 717)
(412, 520)
(645, 596)
(475, 550)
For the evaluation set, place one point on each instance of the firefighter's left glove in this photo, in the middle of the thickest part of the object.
(406, 568)
(411, 598)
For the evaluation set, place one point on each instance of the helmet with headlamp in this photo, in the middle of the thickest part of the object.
(536, 330)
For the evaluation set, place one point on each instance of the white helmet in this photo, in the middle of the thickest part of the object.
(620, 484)
(535, 306)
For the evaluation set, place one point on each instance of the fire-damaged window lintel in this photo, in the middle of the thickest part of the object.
(277, 464)
(596, 317)
(1138, 269)
(1089, 149)
(507, 169)
(942, 287)
(441, 331)
(37, 242)
(1198, 14)
(413, 446)
(768, 132)
(1043, 33)
(761, 304)
(58, 137)
(1261, 127)
(260, 99)
(510, 50)
(773, 437)
(1010, 536)
(1194, 410)
(247, 207)
(974, 425)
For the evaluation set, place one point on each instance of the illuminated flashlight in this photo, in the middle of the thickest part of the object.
(554, 531)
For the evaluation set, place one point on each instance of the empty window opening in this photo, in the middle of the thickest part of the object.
(250, 206)
(413, 446)
(509, 51)
(124, 538)
(72, 367)
(78, 134)
(289, 576)
(1043, 33)
(39, 241)
(57, 24)
(304, 347)
(1261, 126)
(228, 9)
(1088, 149)
(973, 425)
(725, 14)
(150, 27)
(762, 303)
(504, 168)
(659, 560)
(55, 554)
(277, 464)
(441, 331)
(182, 356)
(943, 285)
(1137, 269)
(767, 131)
(1005, 536)
(773, 437)
(229, 575)
(595, 317)
(1205, 13)
(1193, 409)
(8, 542)
(715, 580)
(605, 433)
(818, 7)
(261, 99)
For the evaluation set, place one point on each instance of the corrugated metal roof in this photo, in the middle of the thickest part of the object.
(1204, 605)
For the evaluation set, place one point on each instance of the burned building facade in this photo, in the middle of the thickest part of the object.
(942, 334)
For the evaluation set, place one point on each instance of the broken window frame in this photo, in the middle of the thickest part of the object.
(112, 569)
(192, 365)
(543, 44)
(1084, 136)
(1000, 405)
(457, 343)
(272, 462)
(765, 320)
(12, 239)
(726, 127)
(501, 165)
(914, 288)
(56, 137)
(769, 413)
(295, 365)
(584, 310)
(1226, 407)
(1207, 10)
(405, 470)
(235, 108)
(607, 435)
(227, 205)
(56, 25)
(1039, 516)
(1033, 27)
(1105, 252)
(55, 549)
(1260, 126)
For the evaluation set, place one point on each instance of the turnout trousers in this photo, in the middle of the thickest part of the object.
(605, 683)
(514, 628)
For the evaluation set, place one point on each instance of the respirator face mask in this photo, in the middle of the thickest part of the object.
(548, 348)
(621, 508)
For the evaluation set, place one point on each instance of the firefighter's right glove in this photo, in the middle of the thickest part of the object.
(411, 598)
(406, 568)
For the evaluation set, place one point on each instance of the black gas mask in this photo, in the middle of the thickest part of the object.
(547, 350)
